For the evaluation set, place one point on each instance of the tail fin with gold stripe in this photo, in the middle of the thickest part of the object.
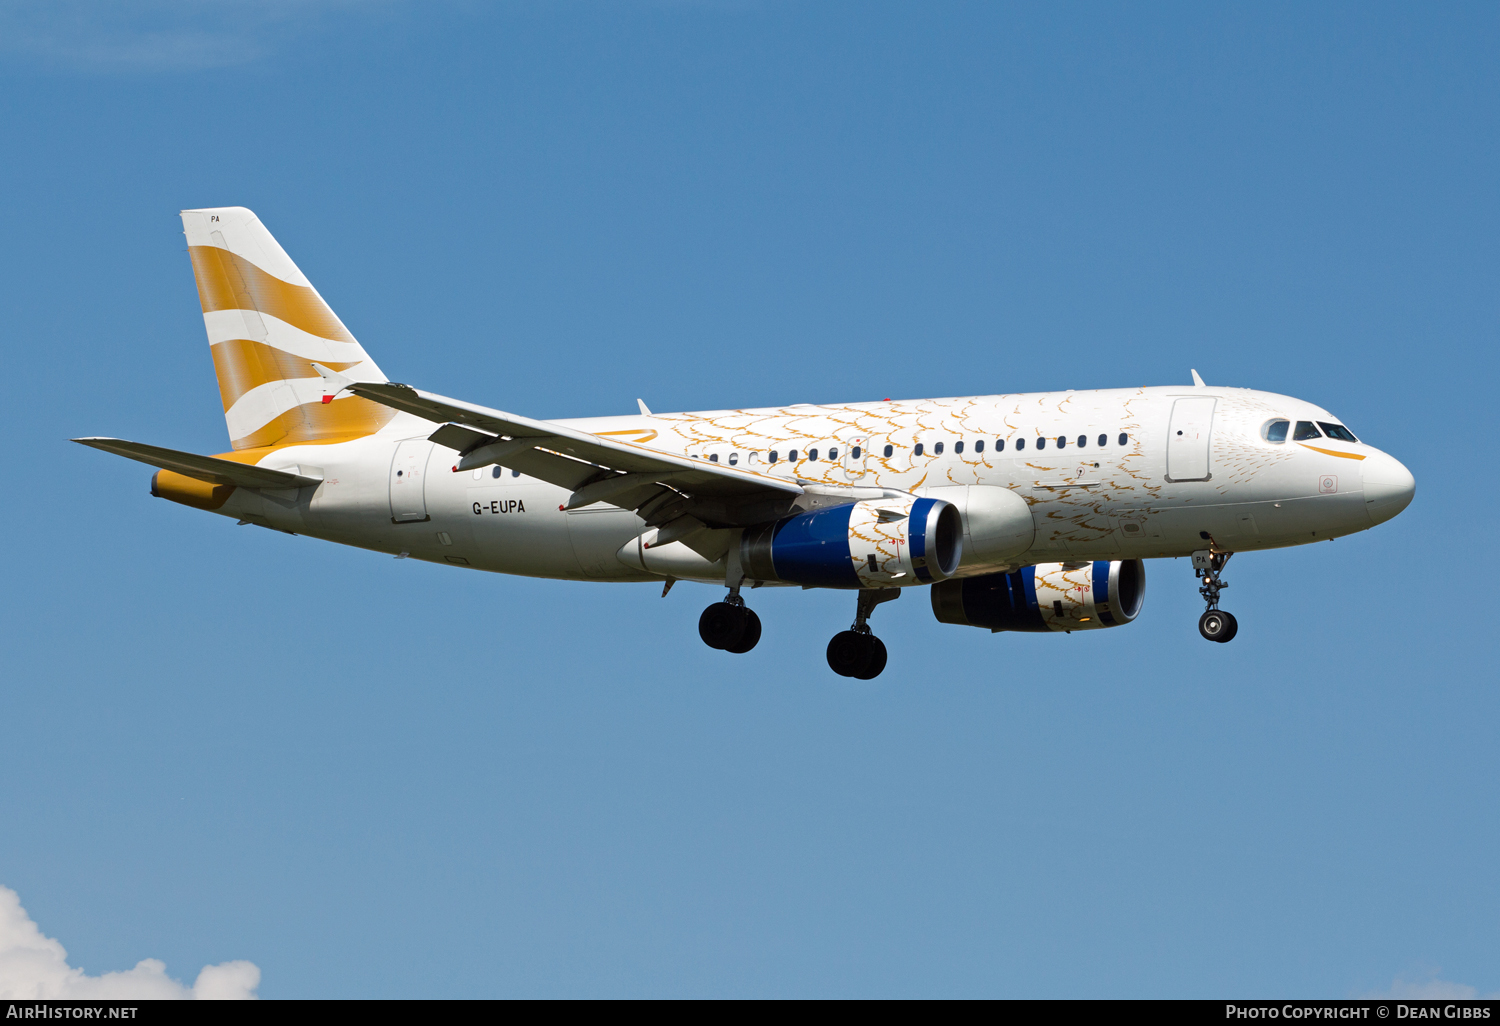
(267, 326)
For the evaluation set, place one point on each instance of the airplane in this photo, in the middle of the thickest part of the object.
(1025, 512)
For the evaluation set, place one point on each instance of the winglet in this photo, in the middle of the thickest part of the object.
(1197, 381)
(642, 404)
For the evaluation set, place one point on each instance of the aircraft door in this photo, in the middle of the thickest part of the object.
(852, 455)
(1187, 438)
(409, 481)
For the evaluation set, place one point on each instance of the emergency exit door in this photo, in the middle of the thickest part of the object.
(852, 455)
(1188, 437)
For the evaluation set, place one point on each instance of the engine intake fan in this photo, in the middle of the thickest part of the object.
(1046, 597)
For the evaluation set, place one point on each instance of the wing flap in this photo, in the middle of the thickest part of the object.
(459, 438)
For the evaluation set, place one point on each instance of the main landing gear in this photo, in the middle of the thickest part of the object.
(730, 625)
(1215, 625)
(856, 652)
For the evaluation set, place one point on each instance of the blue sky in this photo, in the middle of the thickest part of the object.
(385, 779)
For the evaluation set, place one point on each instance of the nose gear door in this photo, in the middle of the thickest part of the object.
(409, 481)
(1187, 439)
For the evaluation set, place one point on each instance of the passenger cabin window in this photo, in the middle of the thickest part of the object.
(1338, 431)
(1041, 443)
(1020, 444)
(497, 472)
(1103, 441)
(958, 446)
(937, 450)
(854, 453)
(515, 473)
(1305, 430)
(1275, 430)
(979, 445)
(772, 456)
(999, 445)
(812, 454)
(713, 458)
(754, 457)
(833, 455)
(890, 451)
(1083, 440)
(792, 455)
(916, 450)
(734, 458)
(1062, 441)
(1124, 438)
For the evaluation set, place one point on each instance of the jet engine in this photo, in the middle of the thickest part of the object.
(1046, 597)
(997, 525)
(876, 543)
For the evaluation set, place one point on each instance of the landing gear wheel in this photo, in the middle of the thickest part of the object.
(855, 654)
(877, 659)
(729, 627)
(1217, 625)
(751, 633)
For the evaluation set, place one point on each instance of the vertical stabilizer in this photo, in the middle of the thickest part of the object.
(267, 326)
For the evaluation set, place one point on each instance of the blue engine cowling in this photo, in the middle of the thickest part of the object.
(877, 543)
(1046, 597)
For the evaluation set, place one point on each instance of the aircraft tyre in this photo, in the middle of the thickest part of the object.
(855, 654)
(729, 627)
(751, 635)
(877, 660)
(1216, 625)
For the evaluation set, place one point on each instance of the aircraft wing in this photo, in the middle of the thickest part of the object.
(594, 468)
(204, 468)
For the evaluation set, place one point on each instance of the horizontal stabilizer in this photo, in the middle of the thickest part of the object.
(204, 468)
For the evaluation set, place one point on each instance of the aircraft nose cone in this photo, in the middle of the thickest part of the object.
(1388, 486)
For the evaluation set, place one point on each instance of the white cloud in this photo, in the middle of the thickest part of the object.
(33, 966)
(1429, 989)
(162, 35)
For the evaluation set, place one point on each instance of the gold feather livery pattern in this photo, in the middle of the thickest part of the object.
(267, 326)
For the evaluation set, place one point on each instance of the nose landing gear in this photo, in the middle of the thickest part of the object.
(857, 652)
(1215, 624)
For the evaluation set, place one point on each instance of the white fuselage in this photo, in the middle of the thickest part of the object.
(1184, 473)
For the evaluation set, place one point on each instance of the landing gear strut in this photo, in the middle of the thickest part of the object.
(730, 625)
(856, 652)
(1215, 624)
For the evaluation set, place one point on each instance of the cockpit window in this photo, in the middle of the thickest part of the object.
(1338, 431)
(1275, 430)
(1305, 430)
